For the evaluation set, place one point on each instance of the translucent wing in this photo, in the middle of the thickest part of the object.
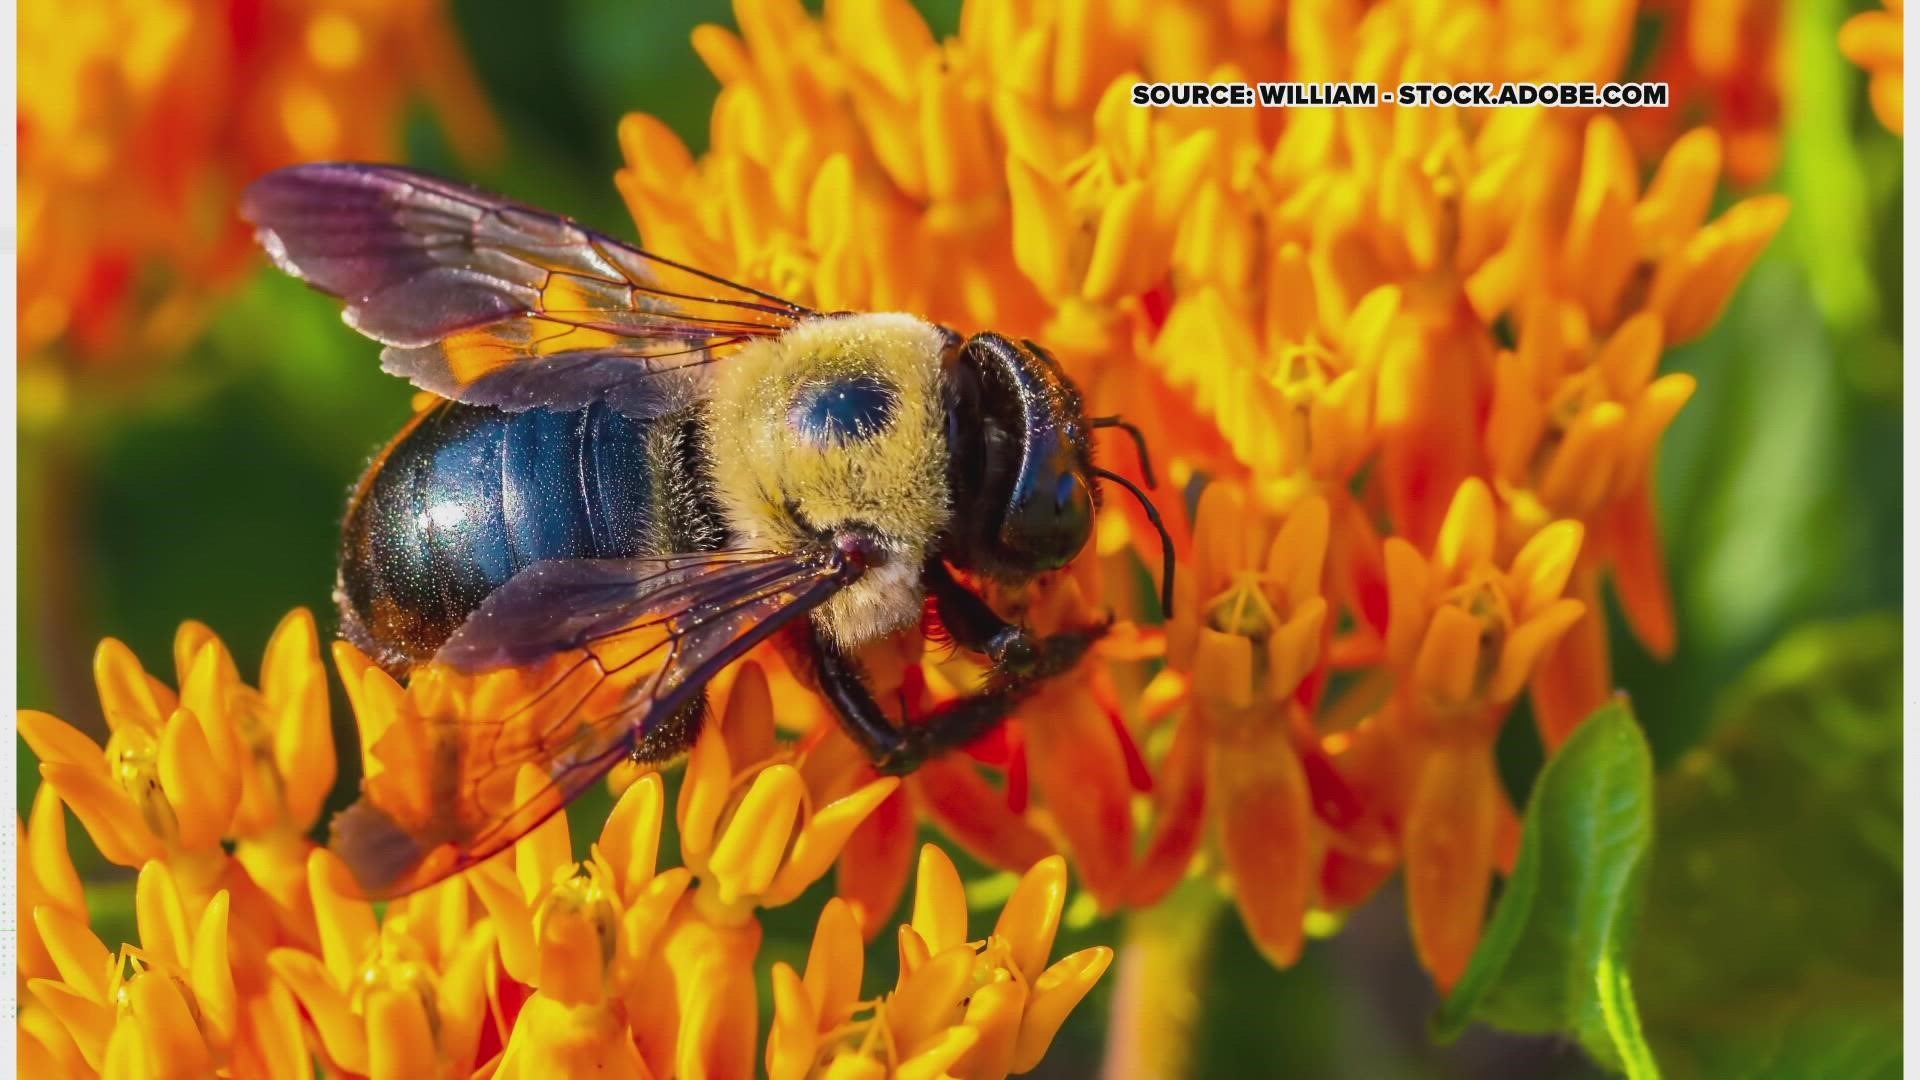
(564, 669)
(487, 301)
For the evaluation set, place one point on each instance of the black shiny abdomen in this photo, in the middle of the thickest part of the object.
(466, 496)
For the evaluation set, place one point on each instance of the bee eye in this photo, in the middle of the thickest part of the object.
(842, 411)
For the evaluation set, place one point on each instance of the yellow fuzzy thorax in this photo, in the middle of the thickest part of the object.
(781, 490)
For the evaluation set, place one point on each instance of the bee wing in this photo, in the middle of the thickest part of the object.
(563, 669)
(487, 301)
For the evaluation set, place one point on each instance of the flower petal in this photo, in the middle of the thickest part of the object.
(400, 1036)
(1540, 570)
(1449, 659)
(877, 859)
(1466, 534)
(755, 843)
(1265, 818)
(795, 1035)
(822, 837)
(1293, 652)
(347, 926)
(703, 793)
(939, 901)
(89, 1022)
(211, 973)
(45, 850)
(929, 997)
(1180, 799)
(127, 695)
(937, 1059)
(994, 1012)
(1525, 645)
(1409, 607)
(512, 917)
(343, 1038)
(974, 814)
(1572, 678)
(294, 684)
(272, 1040)
(1449, 852)
(1223, 668)
(835, 964)
(747, 721)
(1075, 749)
(1055, 994)
(166, 1025)
(1031, 916)
(202, 796)
(161, 916)
(83, 962)
(1640, 572)
(631, 837)
(54, 740)
(105, 811)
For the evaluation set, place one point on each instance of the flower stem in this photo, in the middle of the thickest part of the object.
(57, 602)
(1162, 963)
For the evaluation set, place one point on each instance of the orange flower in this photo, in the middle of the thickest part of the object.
(970, 1009)
(1463, 638)
(751, 828)
(1305, 308)
(581, 935)
(1250, 631)
(171, 1000)
(140, 123)
(1624, 250)
(218, 762)
(1726, 61)
(47, 878)
(401, 996)
(1873, 40)
(757, 827)
(1572, 437)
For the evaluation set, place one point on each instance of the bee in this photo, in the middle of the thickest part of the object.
(652, 470)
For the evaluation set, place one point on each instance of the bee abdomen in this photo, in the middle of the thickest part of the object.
(465, 497)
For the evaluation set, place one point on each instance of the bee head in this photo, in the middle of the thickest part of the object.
(1020, 463)
(1019, 458)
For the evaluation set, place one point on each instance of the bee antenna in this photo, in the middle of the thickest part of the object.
(1166, 539)
(1139, 443)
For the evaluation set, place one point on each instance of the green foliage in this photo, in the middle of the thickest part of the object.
(1779, 483)
(1768, 944)
(1771, 942)
(1554, 955)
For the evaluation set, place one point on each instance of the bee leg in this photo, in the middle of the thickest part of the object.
(861, 717)
(1021, 664)
(897, 750)
(1015, 653)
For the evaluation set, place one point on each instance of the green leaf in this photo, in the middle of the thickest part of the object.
(1554, 955)
(1771, 945)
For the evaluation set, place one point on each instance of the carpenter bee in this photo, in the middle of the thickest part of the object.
(650, 470)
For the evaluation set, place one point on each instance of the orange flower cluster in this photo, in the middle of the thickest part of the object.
(1412, 354)
(1875, 40)
(140, 123)
(1725, 65)
(257, 952)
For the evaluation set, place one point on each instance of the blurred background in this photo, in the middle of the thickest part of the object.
(194, 463)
